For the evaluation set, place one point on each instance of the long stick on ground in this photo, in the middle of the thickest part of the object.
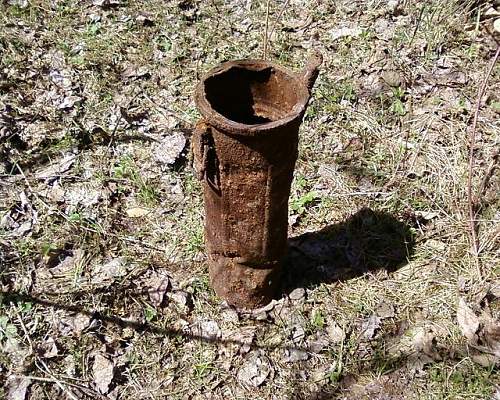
(472, 143)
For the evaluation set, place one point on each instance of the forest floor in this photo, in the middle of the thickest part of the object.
(104, 284)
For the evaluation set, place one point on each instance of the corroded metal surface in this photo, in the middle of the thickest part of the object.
(245, 148)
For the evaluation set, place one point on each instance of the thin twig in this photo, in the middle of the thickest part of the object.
(264, 56)
(277, 19)
(417, 25)
(166, 111)
(472, 143)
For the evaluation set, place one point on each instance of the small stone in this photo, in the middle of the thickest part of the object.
(180, 298)
(230, 315)
(169, 149)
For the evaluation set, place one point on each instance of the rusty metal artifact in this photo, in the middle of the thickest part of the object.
(245, 148)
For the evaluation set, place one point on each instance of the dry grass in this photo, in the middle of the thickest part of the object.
(380, 243)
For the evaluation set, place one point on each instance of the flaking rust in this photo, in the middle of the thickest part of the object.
(245, 148)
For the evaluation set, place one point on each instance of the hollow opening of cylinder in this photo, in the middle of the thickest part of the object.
(250, 96)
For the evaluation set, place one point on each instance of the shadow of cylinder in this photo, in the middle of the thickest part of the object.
(367, 241)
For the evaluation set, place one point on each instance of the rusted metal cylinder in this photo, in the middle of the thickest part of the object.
(245, 148)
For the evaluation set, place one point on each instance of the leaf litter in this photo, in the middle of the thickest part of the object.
(62, 105)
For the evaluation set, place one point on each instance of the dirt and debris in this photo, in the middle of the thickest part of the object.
(104, 289)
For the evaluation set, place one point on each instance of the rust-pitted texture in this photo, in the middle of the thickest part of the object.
(245, 149)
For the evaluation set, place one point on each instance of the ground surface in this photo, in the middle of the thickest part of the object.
(104, 281)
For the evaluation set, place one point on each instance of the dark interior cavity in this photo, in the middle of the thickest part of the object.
(251, 96)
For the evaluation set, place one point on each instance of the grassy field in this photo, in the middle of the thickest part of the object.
(104, 284)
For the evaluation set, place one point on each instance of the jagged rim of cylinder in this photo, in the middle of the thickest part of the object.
(219, 121)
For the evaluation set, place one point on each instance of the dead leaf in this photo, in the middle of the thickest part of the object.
(17, 387)
(69, 101)
(206, 329)
(132, 71)
(157, 285)
(294, 355)
(297, 294)
(169, 149)
(60, 268)
(335, 333)
(491, 336)
(58, 168)
(137, 212)
(48, 349)
(467, 320)
(255, 369)
(108, 272)
(346, 31)
(103, 371)
(369, 326)
(385, 310)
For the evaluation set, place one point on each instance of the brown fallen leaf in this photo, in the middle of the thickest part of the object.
(48, 349)
(63, 165)
(255, 370)
(335, 333)
(103, 371)
(206, 329)
(17, 387)
(369, 326)
(169, 149)
(467, 320)
(491, 336)
(137, 212)
(157, 284)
